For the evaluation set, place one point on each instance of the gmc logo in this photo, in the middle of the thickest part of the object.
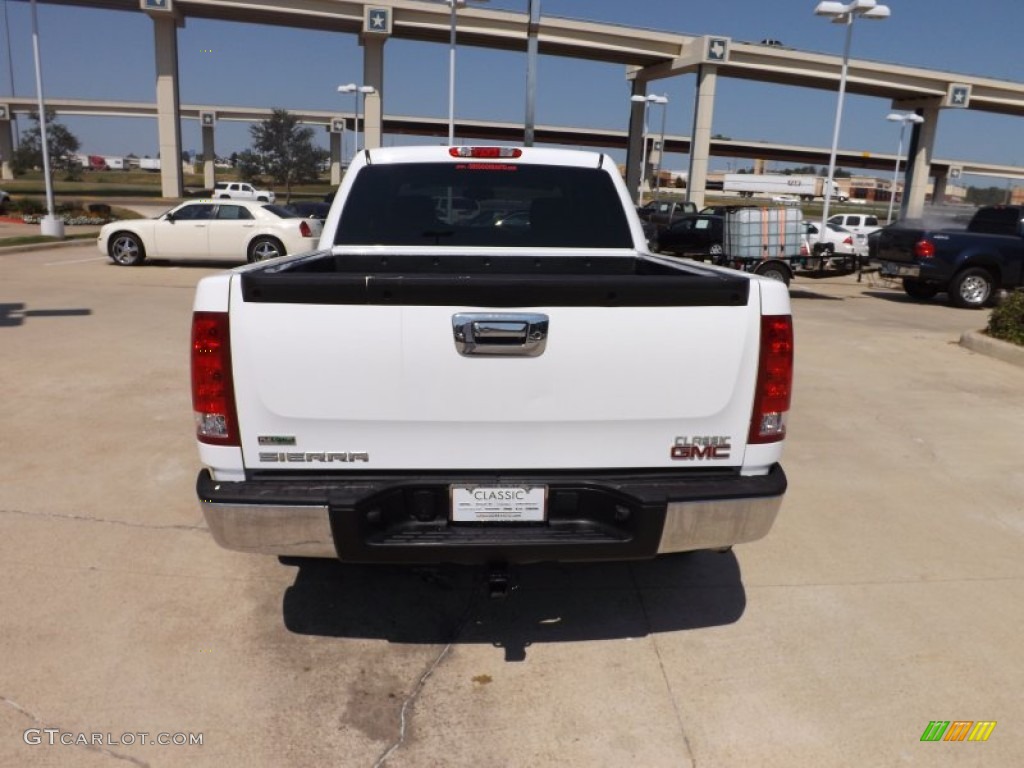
(702, 447)
(700, 451)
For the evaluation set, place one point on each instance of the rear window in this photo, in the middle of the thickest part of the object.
(281, 211)
(483, 204)
(996, 221)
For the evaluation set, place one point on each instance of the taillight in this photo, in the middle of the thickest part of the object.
(486, 152)
(213, 400)
(774, 380)
(848, 241)
(304, 229)
(924, 249)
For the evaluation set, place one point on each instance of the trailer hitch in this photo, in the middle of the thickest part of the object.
(499, 581)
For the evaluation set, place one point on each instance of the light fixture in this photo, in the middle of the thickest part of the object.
(357, 90)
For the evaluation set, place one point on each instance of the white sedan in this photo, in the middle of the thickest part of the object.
(843, 241)
(239, 230)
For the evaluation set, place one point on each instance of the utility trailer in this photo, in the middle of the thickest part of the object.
(772, 242)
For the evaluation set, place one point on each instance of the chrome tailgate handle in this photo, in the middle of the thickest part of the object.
(521, 334)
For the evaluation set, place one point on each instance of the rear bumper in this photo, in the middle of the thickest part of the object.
(404, 518)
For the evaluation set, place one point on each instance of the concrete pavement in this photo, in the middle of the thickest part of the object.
(886, 597)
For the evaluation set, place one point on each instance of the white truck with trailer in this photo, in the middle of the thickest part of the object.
(432, 386)
(803, 187)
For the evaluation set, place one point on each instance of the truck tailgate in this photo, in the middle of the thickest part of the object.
(383, 387)
(897, 244)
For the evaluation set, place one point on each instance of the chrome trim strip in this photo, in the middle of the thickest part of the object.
(715, 524)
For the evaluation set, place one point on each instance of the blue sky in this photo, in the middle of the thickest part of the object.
(96, 54)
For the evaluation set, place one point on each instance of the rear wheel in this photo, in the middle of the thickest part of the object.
(971, 289)
(126, 249)
(263, 248)
(774, 270)
(915, 289)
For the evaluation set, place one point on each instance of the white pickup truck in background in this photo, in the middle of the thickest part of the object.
(238, 190)
(511, 379)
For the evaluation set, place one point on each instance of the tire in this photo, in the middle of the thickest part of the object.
(774, 270)
(263, 248)
(125, 249)
(262, 199)
(716, 250)
(225, 197)
(915, 289)
(972, 288)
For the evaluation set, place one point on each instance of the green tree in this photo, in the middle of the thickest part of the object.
(986, 195)
(249, 166)
(61, 146)
(284, 151)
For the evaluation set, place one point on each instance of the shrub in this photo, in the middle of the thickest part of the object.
(28, 205)
(1007, 320)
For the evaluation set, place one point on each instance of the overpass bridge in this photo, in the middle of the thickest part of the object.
(647, 56)
(488, 130)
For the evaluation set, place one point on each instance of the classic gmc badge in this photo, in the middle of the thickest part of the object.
(702, 447)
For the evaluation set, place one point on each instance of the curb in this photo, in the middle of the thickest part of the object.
(45, 246)
(983, 344)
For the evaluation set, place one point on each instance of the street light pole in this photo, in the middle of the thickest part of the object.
(454, 5)
(843, 13)
(50, 225)
(902, 119)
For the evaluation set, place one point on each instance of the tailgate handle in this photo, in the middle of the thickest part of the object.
(519, 334)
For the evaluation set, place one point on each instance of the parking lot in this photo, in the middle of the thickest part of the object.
(887, 596)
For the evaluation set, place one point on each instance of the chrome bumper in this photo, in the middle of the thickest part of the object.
(743, 509)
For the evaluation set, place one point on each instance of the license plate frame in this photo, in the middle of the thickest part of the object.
(501, 503)
(889, 269)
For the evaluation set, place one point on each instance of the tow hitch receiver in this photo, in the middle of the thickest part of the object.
(499, 581)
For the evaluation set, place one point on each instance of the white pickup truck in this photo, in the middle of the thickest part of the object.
(511, 379)
(238, 190)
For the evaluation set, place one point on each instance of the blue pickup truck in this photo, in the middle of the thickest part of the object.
(970, 265)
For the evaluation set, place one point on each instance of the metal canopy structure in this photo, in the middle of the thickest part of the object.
(487, 130)
(647, 55)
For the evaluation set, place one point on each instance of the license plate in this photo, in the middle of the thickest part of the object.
(898, 270)
(499, 504)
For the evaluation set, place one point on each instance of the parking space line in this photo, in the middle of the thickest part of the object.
(72, 261)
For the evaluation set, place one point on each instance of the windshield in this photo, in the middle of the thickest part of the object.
(483, 204)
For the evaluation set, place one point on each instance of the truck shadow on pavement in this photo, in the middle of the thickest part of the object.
(803, 293)
(547, 603)
(13, 315)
